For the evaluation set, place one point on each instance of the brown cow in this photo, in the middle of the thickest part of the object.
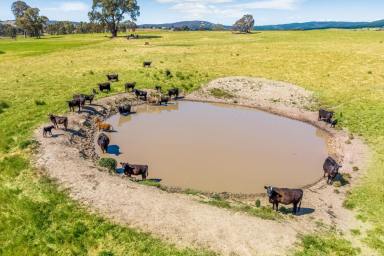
(285, 196)
(103, 126)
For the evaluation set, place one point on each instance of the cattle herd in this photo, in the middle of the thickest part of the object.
(276, 195)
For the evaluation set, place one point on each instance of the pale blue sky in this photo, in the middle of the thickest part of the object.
(220, 11)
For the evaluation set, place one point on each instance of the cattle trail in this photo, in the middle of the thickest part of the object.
(181, 219)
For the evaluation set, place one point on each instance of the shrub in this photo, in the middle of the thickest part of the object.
(26, 143)
(168, 73)
(108, 163)
(40, 102)
(220, 93)
(326, 244)
(258, 203)
(3, 105)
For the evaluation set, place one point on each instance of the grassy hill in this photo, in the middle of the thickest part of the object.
(343, 67)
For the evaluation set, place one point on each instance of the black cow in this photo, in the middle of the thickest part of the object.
(135, 169)
(113, 77)
(103, 142)
(285, 196)
(158, 88)
(140, 93)
(48, 129)
(130, 86)
(331, 169)
(56, 120)
(173, 92)
(334, 123)
(125, 109)
(85, 97)
(147, 64)
(77, 102)
(105, 86)
(325, 115)
(164, 100)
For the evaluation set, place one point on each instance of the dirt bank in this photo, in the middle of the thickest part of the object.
(181, 219)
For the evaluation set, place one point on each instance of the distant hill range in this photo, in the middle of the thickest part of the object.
(196, 25)
(323, 25)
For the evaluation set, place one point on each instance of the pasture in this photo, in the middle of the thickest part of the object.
(343, 67)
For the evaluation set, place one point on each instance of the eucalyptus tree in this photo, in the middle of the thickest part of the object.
(111, 12)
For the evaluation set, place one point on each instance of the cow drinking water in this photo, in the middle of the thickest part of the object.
(331, 169)
(173, 92)
(135, 169)
(285, 196)
(125, 109)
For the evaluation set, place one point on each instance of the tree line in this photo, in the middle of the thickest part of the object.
(105, 15)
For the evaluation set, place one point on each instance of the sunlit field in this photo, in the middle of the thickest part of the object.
(345, 69)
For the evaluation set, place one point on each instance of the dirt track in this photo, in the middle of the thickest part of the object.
(182, 220)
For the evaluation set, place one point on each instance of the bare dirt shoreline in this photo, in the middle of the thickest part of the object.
(181, 219)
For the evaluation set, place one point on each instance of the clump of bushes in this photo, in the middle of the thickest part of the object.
(40, 103)
(3, 105)
(26, 143)
(168, 73)
(108, 163)
(220, 93)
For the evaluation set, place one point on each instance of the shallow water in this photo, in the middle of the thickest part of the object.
(219, 148)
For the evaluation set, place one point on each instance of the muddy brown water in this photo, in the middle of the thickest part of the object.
(218, 147)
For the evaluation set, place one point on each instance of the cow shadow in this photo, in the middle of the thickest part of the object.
(303, 211)
(155, 180)
(120, 170)
(114, 150)
(56, 135)
(128, 114)
(91, 110)
(79, 133)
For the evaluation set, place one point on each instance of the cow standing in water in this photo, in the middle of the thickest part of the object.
(135, 169)
(285, 196)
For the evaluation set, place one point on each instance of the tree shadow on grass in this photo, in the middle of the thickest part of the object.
(1, 52)
(141, 37)
(51, 37)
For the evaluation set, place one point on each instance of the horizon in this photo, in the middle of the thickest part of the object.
(226, 12)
